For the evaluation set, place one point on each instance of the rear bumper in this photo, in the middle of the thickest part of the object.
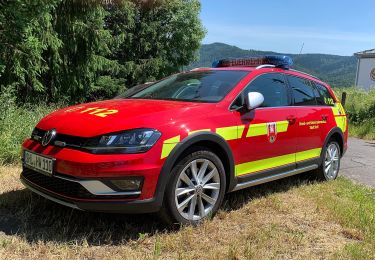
(83, 200)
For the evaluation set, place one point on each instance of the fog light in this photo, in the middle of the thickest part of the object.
(129, 184)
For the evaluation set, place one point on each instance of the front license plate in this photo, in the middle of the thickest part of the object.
(38, 163)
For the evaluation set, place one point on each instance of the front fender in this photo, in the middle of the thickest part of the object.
(185, 144)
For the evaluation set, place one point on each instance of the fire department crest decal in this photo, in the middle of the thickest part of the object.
(271, 132)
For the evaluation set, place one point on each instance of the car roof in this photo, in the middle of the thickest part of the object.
(251, 69)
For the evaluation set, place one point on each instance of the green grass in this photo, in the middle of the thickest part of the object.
(365, 130)
(353, 207)
(360, 107)
(16, 124)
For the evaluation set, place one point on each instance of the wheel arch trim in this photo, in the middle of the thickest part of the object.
(333, 131)
(185, 144)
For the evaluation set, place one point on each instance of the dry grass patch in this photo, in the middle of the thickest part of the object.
(9, 178)
(279, 220)
(353, 207)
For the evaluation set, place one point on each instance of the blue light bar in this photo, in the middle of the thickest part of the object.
(279, 61)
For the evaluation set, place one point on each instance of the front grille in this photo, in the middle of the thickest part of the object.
(69, 140)
(38, 132)
(63, 187)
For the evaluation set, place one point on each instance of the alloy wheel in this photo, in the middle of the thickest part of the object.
(331, 161)
(197, 189)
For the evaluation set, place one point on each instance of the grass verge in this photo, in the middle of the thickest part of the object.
(360, 107)
(289, 219)
(365, 130)
(16, 124)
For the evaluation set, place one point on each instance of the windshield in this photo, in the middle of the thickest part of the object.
(203, 86)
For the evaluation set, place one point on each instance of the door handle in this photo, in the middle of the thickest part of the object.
(325, 117)
(291, 119)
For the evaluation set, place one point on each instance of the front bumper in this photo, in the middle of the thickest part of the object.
(70, 192)
(73, 163)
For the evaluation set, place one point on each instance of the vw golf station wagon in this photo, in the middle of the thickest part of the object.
(177, 146)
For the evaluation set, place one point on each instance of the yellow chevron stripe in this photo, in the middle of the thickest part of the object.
(340, 116)
(231, 132)
(261, 129)
(168, 146)
(269, 163)
(282, 126)
(228, 133)
(264, 164)
(309, 154)
(257, 130)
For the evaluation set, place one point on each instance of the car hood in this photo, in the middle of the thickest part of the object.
(96, 118)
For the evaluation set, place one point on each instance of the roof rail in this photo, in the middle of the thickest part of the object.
(265, 66)
(306, 74)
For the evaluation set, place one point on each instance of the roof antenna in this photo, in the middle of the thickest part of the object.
(303, 45)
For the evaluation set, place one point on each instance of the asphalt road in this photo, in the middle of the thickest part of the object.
(358, 162)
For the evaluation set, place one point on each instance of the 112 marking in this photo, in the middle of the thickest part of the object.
(100, 112)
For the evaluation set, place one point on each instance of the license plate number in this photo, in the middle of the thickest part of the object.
(38, 162)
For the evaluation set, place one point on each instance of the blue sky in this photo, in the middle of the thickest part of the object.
(331, 26)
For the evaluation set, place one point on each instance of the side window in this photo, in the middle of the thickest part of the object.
(237, 103)
(303, 92)
(323, 98)
(273, 88)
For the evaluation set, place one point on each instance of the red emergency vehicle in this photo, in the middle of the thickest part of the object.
(179, 145)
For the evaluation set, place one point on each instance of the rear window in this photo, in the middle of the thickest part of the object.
(303, 91)
(323, 97)
(199, 86)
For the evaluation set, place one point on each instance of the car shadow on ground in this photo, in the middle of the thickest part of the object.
(36, 219)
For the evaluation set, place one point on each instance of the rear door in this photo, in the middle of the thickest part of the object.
(311, 121)
(268, 142)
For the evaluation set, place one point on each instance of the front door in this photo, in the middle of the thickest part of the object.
(268, 143)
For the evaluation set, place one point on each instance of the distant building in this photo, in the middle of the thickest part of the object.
(365, 77)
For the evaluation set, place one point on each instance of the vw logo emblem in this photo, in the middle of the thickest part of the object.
(48, 137)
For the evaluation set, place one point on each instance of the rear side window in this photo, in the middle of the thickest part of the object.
(273, 87)
(303, 91)
(323, 97)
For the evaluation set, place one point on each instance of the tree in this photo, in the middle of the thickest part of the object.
(154, 38)
(79, 50)
(25, 33)
(51, 50)
(81, 57)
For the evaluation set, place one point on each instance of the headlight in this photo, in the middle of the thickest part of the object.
(131, 141)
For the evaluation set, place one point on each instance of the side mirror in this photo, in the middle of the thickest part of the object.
(254, 100)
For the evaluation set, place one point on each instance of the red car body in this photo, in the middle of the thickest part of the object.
(248, 143)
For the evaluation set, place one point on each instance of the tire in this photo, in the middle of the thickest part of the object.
(330, 166)
(195, 190)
